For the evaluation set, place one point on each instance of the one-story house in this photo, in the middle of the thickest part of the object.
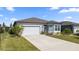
(74, 27)
(36, 26)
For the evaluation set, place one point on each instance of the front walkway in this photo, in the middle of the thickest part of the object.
(46, 43)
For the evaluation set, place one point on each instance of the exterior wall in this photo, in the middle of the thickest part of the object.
(0, 25)
(51, 28)
(75, 28)
(29, 24)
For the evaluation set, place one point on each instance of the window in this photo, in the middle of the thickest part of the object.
(57, 27)
(50, 25)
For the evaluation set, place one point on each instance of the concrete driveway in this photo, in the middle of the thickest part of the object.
(46, 43)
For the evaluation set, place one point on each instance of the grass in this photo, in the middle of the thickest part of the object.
(14, 43)
(71, 38)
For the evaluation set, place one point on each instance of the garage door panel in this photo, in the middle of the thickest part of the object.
(31, 30)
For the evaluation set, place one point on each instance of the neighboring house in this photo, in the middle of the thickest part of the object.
(74, 27)
(36, 26)
(0, 25)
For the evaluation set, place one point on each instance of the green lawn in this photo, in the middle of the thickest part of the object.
(72, 38)
(14, 43)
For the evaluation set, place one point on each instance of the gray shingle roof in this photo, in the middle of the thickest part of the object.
(0, 25)
(53, 22)
(32, 20)
(69, 23)
(42, 21)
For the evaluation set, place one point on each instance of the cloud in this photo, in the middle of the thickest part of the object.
(69, 10)
(10, 9)
(45, 16)
(1, 15)
(13, 19)
(68, 18)
(54, 8)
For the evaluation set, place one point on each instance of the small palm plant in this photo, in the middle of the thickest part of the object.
(16, 29)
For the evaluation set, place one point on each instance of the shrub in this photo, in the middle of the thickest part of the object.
(7, 29)
(49, 33)
(77, 30)
(42, 32)
(57, 33)
(66, 31)
(16, 29)
(4, 28)
(46, 33)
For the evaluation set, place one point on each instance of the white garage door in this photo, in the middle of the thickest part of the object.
(31, 30)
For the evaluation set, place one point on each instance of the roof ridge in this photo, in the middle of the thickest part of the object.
(32, 18)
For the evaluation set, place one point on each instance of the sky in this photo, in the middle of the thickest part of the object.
(10, 14)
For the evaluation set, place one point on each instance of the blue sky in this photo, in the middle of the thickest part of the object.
(10, 14)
